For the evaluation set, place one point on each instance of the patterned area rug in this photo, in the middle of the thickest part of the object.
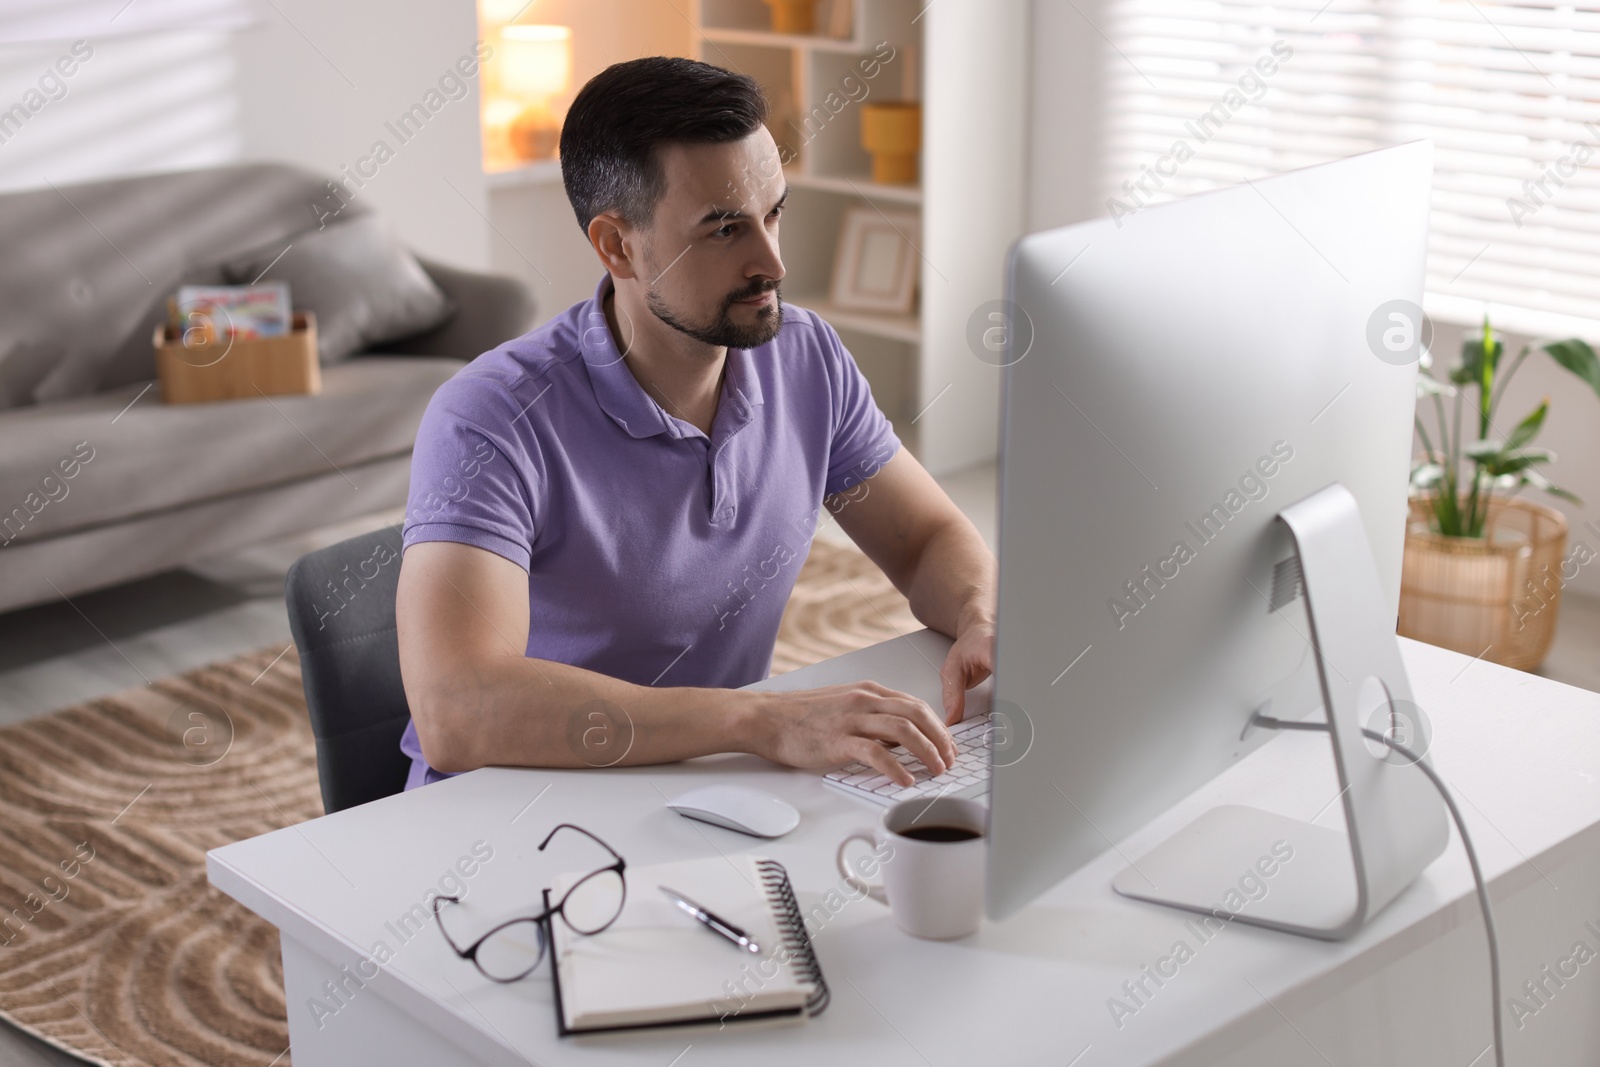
(112, 944)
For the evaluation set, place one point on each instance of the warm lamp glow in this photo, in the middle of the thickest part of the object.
(535, 61)
(525, 80)
(496, 13)
(500, 111)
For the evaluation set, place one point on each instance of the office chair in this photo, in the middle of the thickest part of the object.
(341, 612)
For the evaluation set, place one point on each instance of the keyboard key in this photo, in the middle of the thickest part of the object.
(970, 769)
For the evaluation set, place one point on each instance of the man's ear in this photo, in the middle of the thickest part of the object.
(616, 243)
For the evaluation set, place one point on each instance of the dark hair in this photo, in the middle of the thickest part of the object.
(609, 138)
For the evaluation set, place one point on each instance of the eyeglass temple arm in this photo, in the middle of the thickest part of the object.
(581, 830)
(459, 951)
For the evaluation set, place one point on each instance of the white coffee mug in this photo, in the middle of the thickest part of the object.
(932, 854)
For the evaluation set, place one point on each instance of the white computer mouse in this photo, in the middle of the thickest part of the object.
(738, 807)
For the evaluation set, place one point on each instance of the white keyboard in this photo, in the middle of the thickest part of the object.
(969, 777)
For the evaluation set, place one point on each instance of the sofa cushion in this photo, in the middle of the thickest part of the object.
(24, 363)
(86, 266)
(75, 375)
(363, 285)
(91, 460)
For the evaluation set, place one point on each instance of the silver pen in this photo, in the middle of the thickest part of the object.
(712, 920)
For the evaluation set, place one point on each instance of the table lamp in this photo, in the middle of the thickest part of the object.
(535, 68)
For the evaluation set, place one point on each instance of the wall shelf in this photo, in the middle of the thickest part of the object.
(767, 39)
(862, 186)
(894, 327)
(538, 172)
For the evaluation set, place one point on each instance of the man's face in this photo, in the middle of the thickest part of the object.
(712, 267)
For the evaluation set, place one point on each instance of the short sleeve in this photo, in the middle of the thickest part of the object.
(473, 480)
(863, 440)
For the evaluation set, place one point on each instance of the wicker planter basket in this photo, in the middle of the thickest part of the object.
(1497, 596)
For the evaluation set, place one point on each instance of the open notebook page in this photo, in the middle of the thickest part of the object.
(656, 963)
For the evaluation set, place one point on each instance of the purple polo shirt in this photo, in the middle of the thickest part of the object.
(654, 554)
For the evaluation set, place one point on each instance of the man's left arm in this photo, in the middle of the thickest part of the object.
(933, 554)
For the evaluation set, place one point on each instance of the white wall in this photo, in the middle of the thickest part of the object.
(190, 83)
(1068, 74)
(971, 217)
(135, 104)
(318, 80)
(536, 238)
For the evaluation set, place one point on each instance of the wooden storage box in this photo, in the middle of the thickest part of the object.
(240, 369)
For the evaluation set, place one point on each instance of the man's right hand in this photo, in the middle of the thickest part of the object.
(830, 727)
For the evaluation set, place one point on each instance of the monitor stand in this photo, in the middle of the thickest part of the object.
(1237, 862)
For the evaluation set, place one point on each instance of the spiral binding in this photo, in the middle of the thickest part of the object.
(795, 937)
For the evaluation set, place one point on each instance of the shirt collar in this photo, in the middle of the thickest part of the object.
(624, 399)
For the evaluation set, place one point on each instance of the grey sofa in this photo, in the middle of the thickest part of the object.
(84, 274)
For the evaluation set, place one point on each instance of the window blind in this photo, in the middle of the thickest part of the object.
(1508, 93)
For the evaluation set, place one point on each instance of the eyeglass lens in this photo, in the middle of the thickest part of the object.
(594, 903)
(513, 951)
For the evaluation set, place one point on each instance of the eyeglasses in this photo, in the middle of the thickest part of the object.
(513, 949)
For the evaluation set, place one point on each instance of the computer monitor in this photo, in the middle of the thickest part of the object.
(1187, 387)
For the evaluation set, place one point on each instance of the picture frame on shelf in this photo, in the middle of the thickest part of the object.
(875, 261)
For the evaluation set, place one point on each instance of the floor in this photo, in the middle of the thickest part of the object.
(57, 655)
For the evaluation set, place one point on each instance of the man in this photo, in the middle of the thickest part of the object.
(607, 514)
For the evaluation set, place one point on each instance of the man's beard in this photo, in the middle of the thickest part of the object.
(723, 331)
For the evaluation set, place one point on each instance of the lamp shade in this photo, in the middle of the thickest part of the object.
(496, 13)
(535, 61)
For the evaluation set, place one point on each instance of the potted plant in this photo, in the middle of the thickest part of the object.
(1482, 565)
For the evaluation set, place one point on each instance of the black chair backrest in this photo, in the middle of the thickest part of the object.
(341, 612)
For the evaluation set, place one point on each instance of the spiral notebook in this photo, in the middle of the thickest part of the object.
(657, 966)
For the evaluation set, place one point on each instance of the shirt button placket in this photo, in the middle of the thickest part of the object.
(723, 502)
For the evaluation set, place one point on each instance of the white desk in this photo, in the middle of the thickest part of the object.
(1410, 989)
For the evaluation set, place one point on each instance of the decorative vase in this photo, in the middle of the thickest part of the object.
(793, 16)
(892, 132)
(1496, 596)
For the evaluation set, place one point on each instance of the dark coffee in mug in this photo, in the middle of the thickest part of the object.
(940, 833)
(934, 890)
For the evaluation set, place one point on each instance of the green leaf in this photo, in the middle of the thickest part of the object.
(1577, 357)
(1540, 482)
(1513, 460)
(1426, 476)
(1428, 385)
(1447, 516)
(1474, 351)
(1529, 427)
(1492, 347)
(1492, 450)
